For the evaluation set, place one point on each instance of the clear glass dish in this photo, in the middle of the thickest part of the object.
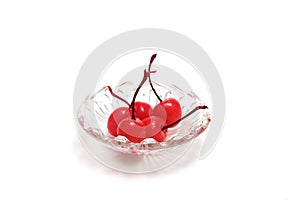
(96, 108)
(184, 71)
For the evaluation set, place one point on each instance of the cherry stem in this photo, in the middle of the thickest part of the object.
(146, 75)
(150, 64)
(118, 97)
(191, 112)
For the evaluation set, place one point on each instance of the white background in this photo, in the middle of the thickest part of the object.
(255, 46)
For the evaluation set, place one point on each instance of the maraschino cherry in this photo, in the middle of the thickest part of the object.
(142, 110)
(169, 108)
(133, 130)
(154, 126)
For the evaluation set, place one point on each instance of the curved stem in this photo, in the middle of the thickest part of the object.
(118, 97)
(146, 75)
(191, 112)
(150, 64)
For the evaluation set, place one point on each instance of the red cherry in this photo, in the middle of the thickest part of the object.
(153, 125)
(142, 110)
(168, 109)
(160, 137)
(133, 130)
(115, 118)
(137, 130)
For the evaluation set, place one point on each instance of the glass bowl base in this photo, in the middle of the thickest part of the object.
(132, 163)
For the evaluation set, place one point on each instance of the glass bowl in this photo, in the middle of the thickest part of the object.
(184, 71)
(96, 108)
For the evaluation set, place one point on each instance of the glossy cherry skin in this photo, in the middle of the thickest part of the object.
(169, 109)
(142, 110)
(115, 118)
(153, 125)
(133, 130)
(160, 137)
(137, 130)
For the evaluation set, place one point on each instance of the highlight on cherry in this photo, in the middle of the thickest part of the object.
(138, 120)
